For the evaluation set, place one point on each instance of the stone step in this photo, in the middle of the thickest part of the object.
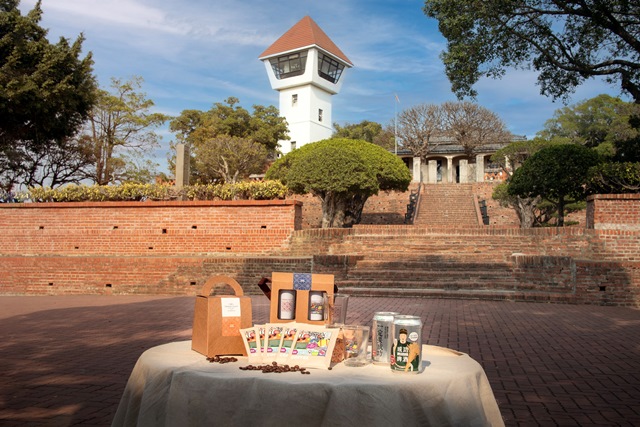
(441, 282)
(452, 253)
(435, 266)
(489, 295)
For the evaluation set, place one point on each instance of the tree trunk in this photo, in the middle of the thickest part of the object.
(525, 209)
(353, 210)
(561, 211)
(341, 210)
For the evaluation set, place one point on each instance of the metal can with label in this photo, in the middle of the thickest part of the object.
(381, 339)
(406, 351)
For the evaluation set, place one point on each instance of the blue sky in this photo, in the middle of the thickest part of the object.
(194, 53)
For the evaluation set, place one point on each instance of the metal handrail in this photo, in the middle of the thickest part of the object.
(413, 206)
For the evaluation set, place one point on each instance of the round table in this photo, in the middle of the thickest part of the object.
(172, 385)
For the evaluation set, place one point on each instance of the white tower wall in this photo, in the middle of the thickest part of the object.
(305, 101)
(307, 110)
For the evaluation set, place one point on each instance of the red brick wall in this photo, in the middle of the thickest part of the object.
(613, 211)
(126, 275)
(172, 247)
(146, 228)
(498, 215)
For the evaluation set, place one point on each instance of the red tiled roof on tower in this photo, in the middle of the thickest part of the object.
(305, 33)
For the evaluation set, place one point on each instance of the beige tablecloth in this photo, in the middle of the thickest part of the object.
(171, 385)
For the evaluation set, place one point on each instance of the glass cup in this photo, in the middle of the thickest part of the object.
(356, 339)
(336, 309)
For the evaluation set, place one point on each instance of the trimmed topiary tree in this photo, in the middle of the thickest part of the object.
(557, 173)
(343, 173)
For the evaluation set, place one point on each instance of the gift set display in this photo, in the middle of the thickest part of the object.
(306, 326)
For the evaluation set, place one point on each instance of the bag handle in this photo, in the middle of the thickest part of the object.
(221, 280)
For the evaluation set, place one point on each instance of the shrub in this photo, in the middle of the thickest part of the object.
(614, 178)
(256, 190)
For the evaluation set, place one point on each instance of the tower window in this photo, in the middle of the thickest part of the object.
(289, 65)
(294, 99)
(293, 145)
(319, 114)
(329, 68)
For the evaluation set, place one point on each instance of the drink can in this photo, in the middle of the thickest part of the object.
(406, 352)
(381, 339)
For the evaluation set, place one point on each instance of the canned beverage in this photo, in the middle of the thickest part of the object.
(406, 353)
(381, 339)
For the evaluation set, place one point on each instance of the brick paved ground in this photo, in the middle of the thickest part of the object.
(66, 360)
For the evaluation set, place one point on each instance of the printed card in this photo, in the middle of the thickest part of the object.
(313, 346)
(272, 340)
(288, 338)
(250, 338)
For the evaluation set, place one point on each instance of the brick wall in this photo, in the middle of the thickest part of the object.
(613, 211)
(147, 228)
(173, 247)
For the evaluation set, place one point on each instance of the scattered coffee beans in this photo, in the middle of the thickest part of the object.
(222, 360)
(275, 368)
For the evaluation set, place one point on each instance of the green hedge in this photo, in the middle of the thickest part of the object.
(254, 190)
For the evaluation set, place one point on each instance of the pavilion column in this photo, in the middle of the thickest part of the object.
(450, 169)
(464, 170)
(417, 169)
(432, 177)
(480, 168)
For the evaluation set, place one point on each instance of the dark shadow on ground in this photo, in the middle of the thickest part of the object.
(69, 366)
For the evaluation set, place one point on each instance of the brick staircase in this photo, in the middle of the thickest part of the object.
(447, 205)
(444, 262)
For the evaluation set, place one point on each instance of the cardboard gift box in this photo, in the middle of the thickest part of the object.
(217, 320)
(302, 294)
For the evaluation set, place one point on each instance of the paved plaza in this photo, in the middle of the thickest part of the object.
(66, 359)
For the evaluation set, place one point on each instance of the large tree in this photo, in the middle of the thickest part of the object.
(226, 132)
(421, 128)
(228, 159)
(367, 131)
(601, 122)
(424, 127)
(509, 159)
(121, 130)
(46, 90)
(557, 173)
(65, 162)
(473, 126)
(565, 41)
(343, 173)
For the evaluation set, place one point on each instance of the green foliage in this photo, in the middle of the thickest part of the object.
(501, 194)
(341, 165)
(250, 190)
(46, 90)
(343, 173)
(515, 154)
(228, 159)
(205, 130)
(367, 131)
(246, 190)
(557, 173)
(600, 122)
(614, 178)
(565, 42)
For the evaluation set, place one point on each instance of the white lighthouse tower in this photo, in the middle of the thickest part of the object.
(305, 67)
